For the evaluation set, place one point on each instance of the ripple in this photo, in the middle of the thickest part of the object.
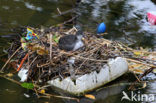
(140, 8)
(6, 7)
(31, 6)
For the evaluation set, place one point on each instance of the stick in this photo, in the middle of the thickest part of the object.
(33, 61)
(89, 59)
(57, 96)
(63, 13)
(70, 20)
(10, 58)
(59, 11)
(144, 74)
(26, 56)
(14, 81)
(50, 46)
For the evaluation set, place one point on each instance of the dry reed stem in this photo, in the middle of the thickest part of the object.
(136, 61)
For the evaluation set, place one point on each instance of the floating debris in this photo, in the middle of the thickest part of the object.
(39, 58)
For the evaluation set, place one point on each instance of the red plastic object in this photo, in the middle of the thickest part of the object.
(152, 17)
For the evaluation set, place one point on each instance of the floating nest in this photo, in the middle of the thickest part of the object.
(45, 61)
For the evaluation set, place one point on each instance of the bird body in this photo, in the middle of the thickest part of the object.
(71, 42)
(78, 45)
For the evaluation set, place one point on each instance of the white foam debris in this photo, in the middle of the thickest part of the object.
(26, 95)
(71, 60)
(23, 74)
(113, 69)
(87, 82)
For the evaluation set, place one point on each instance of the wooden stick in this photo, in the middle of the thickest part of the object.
(10, 58)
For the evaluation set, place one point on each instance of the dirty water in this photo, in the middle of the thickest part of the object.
(126, 22)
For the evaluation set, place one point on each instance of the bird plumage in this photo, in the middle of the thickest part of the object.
(71, 42)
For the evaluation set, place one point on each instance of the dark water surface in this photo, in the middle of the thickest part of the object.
(125, 21)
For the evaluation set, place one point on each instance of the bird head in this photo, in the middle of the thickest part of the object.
(101, 28)
(79, 34)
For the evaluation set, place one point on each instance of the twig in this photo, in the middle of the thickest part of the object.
(63, 13)
(57, 96)
(69, 31)
(14, 81)
(132, 60)
(42, 65)
(70, 20)
(144, 74)
(33, 61)
(136, 77)
(80, 66)
(59, 11)
(10, 58)
(50, 46)
(90, 59)
(43, 87)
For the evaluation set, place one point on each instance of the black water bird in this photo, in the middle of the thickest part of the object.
(71, 42)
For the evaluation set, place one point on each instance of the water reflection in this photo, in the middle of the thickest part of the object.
(151, 86)
(125, 20)
(107, 95)
(31, 6)
(15, 13)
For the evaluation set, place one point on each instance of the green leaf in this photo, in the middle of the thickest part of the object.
(27, 85)
(55, 38)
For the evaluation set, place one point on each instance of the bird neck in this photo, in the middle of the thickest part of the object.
(79, 37)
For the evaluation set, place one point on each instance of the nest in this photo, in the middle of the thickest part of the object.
(46, 61)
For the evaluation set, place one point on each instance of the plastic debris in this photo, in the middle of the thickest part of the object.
(101, 28)
(90, 96)
(31, 34)
(152, 17)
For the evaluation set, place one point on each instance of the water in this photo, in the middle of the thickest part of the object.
(125, 21)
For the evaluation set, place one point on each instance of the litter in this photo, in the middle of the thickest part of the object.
(98, 62)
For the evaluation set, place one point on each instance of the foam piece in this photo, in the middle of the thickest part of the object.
(23, 74)
(84, 83)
